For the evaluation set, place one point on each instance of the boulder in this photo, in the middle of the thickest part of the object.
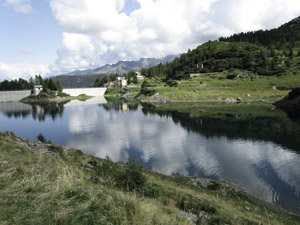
(291, 102)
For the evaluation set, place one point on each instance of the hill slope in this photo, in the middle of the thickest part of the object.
(50, 184)
(262, 52)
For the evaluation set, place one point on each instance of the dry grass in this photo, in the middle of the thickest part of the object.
(63, 190)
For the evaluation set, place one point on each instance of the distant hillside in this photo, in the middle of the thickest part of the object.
(87, 78)
(124, 66)
(77, 81)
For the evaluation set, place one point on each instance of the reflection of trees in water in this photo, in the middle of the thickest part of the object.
(42, 110)
(295, 117)
(18, 114)
(121, 106)
(280, 131)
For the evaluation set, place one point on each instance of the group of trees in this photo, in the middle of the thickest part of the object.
(21, 84)
(219, 56)
(109, 78)
(130, 77)
(48, 83)
(288, 34)
(262, 52)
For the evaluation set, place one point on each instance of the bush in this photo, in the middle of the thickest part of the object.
(231, 76)
(132, 178)
(146, 92)
(188, 204)
(145, 84)
(41, 138)
(171, 83)
(294, 93)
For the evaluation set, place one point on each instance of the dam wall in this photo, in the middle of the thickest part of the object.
(13, 96)
(86, 91)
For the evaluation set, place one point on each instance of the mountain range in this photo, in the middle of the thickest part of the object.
(124, 66)
(85, 78)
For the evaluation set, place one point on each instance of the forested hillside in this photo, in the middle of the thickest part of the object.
(77, 81)
(261, 52)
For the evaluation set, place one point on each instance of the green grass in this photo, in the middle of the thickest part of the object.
(83, 97)
(61, 97)
(62, 94)
(113, 91)
(217, 87)
(74, 188)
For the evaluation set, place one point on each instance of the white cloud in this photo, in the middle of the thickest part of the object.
(177, 151)
(157, 28)
(97, 32)
(22, 6)
(11, 71)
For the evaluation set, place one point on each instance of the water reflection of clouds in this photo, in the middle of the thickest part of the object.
(168, 148)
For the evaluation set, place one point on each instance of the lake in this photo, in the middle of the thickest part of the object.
(255, 146)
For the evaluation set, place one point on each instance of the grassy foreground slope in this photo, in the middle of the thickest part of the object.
(50, 184)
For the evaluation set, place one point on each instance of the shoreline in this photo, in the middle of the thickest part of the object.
(221, 199)
(57, 99)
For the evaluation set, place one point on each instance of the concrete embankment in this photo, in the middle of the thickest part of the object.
(13, 96)
(86, 91)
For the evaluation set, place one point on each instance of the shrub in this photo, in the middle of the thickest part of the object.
(231, 76)
(171, 83)
(294, 93)
(146, 92)
(41, 138)
(131, 178)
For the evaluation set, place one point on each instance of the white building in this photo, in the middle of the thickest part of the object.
(139, 75)
(37, 89)
(121, 81)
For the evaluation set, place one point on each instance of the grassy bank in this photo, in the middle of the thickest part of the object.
(49, 184)
(227, 86)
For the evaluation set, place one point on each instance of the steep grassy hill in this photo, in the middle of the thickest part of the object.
(42, 183)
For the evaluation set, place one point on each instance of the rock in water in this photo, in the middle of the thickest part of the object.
(291, 102)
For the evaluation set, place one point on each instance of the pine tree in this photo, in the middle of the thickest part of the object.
(59, 86)
(291, 54)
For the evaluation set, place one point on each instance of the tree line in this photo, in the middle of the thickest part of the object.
(262, 52)
(130, 77)
(21, 84)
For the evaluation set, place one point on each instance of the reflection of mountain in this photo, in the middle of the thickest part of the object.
(255, 128)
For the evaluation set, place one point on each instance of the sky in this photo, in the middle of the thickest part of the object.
(51, 37)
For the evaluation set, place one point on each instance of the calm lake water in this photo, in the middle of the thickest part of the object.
(256, 150)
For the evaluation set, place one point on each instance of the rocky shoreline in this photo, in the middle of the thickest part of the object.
(290, 103)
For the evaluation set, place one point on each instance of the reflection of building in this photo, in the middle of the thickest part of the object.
(37, 89)
(121, 81)
(124, 107)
